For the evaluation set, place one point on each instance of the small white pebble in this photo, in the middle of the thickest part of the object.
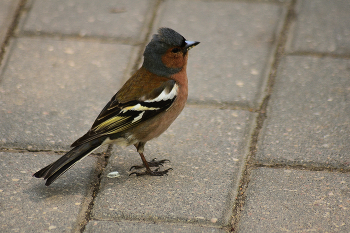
(71, 63)
(254, 71)
(68, 51)
(113, 174)
(240, 83)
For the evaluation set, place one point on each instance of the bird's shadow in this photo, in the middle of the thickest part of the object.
(75, 182)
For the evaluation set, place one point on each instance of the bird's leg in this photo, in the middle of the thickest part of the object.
(140, 146)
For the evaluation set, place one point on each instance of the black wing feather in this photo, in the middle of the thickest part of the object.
(116, 117)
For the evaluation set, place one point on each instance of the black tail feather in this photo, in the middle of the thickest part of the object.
(54, 170)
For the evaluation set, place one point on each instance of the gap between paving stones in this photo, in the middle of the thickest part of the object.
(147, 35)
(279, 53)
(85, 213)
(318, 54)
(222, 105)
(11, 29)
(301, 167)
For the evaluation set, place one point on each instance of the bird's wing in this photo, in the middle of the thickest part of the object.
(117, 116)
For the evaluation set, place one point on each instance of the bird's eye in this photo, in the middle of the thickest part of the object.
(175, 50)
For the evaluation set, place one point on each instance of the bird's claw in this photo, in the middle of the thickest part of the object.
(156, 172)
(152, 163)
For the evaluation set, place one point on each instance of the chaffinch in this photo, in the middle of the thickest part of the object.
(141, 110)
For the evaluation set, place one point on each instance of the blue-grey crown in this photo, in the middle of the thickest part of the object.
(160, 43)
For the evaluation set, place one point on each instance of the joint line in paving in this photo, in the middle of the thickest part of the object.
(319, 54)
(85, 216)
(11, 29)
(145, 39)
(279, 53)
(222, 105)
(306, 167)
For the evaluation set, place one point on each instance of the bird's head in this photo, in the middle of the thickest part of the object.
(167, 52)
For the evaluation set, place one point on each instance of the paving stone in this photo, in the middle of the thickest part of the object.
(206, 148)
(106, 18)
(7, 14)
(125, 227)
(280, 200)
(237, 38)
(51, 91)
(309, 114)
(321, 26)
(27, 205)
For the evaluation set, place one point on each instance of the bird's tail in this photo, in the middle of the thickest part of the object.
(57, 168)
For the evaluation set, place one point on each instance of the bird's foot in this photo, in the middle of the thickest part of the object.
(152, 163)
(152, 173)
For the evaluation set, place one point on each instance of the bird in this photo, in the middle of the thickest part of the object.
(145, 106)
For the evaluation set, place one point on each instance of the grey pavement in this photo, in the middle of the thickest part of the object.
(262, 145)
(296, 201)
(7, 15)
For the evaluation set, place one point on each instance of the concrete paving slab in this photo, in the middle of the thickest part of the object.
(206, 148)
(237, 39)
(321, 26)
(27, 205)
(7, 13)
(280, 200)
(142, 227)
(51, 91)
(309, 114)
(126, 19)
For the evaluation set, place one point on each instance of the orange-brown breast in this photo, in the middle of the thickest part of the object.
(157, 125)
